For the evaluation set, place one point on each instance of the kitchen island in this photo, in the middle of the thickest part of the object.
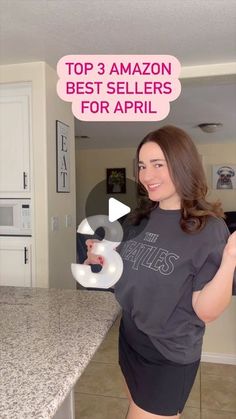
(47, 338)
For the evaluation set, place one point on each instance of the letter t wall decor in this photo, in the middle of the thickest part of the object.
(63, 157)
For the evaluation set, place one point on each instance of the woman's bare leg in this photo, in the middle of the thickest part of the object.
(136, 412)
(127, 391)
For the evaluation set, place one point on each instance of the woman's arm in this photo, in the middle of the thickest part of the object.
(215, 297)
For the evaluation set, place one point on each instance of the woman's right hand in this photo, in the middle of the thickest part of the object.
(92, 259)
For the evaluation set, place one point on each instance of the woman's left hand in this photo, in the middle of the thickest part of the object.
(230, 248)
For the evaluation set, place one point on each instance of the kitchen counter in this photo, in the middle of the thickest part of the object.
(47, 338)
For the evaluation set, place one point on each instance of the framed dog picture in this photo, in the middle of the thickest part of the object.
(224, 176)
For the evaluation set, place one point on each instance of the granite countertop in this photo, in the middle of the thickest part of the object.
(47, 338)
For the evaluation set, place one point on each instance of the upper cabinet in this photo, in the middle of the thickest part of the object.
(15, 135)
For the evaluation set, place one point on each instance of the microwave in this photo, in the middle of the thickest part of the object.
(15, 217)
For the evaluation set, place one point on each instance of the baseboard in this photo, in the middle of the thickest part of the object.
(218, 358)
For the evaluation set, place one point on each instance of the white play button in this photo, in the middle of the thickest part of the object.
(116, 209)
(101, 200)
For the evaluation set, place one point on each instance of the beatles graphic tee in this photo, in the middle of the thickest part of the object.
(163, 266)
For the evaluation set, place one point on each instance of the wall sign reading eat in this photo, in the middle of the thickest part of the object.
(63, 157)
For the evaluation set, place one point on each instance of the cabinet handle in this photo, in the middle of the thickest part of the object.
(24, 180)
(25, 255)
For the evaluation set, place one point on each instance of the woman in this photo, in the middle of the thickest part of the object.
(178, 275)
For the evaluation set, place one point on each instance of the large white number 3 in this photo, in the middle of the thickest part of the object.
(113, 265)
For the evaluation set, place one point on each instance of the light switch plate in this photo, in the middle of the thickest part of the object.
(54, 223)
(68, 220)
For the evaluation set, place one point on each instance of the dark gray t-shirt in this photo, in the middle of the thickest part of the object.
(162, 267)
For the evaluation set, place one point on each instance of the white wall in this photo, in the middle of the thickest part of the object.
(62, 243)
(221, 334)
(52, 252)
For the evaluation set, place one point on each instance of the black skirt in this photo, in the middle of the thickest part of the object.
(156, 384)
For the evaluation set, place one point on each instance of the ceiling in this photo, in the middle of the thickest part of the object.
(196, 32)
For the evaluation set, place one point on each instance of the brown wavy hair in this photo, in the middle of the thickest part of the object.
(188, 176)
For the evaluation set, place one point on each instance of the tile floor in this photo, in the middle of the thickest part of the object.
(99, 393)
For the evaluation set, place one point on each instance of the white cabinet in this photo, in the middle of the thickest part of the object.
(15, 133)
(15, 261)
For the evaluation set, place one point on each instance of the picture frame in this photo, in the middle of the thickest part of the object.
(62, 157)
(224, 176)
(116, 180)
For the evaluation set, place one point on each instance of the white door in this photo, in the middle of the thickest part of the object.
(15, 262)
(15, 140)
